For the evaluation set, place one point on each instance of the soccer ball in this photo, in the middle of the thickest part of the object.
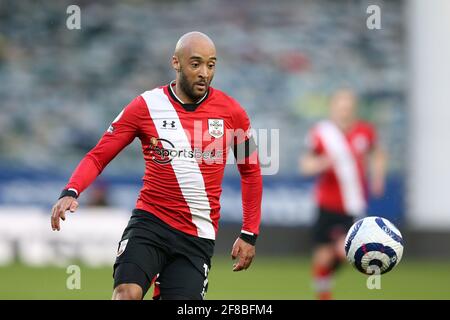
(374, 245)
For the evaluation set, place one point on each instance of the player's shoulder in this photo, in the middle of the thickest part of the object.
(316, 127)
(137, 105)
(365, 126)
(159, 90)
(312, 138)
(227, 100)
(233, 107)
(152, 94)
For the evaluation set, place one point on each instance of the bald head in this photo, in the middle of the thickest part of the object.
(343, 109)
(194, 60)
(193, 40)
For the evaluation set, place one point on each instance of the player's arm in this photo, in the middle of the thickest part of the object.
(246, 155)
(312, 164)
(121, 133)
(378, 170)
(314, 161)
(377, 162)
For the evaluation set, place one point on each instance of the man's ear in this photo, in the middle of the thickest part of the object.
(176, 63)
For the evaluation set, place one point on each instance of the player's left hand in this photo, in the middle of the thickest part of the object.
(377, 187)
(245, 252)
(59, 210)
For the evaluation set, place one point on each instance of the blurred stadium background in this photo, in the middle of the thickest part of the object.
(60, 89)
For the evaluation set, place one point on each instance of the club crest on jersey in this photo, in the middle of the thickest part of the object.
(216, 127)
(360, 143)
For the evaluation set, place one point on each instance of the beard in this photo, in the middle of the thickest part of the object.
(188, 88)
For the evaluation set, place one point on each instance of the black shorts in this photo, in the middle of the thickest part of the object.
(152, 251)
(330, 226)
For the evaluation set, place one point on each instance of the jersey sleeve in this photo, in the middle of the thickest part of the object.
(372, 136)
(121, 132)
(246, 154)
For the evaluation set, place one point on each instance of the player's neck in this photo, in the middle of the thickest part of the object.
(345, 126)
(182, 96)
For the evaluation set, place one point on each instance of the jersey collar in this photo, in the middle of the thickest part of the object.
(187, 106)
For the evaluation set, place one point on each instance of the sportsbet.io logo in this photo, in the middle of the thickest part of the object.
(212, 146)
(164, 155)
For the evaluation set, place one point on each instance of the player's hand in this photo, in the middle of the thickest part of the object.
(244, 252)
(312, 164)
(60, 208)
(377, 187)
(324, 163)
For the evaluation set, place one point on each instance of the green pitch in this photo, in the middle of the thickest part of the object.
(268, 278)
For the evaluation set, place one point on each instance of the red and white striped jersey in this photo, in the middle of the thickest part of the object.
(343, 188)
(185, 152)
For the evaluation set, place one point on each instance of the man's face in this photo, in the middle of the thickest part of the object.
(343, 108)
(196, 68)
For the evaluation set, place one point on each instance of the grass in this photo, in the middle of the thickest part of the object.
(272, 278)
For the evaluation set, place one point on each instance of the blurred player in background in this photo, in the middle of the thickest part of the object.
(186, 129)
(98, 195)
(338, 153)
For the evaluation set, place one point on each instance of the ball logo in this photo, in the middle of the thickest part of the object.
(352, 234)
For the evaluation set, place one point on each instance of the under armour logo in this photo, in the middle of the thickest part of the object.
(166, 123)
